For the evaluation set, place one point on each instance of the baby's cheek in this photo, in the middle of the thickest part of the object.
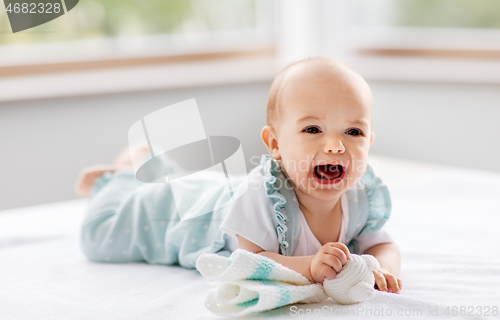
(300, 180)
(359, 167)
(353, 176)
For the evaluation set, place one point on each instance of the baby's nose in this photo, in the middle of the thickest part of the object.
(334, 146)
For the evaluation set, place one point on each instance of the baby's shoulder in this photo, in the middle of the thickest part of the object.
(255, 186)
(251, 202)
(257, 176)
(369, 204)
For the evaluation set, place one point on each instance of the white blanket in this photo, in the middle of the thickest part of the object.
(444, 219)
(248, 283)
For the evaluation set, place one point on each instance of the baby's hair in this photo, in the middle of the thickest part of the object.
(273, 101)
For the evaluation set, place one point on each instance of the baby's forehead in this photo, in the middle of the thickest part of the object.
(324, 78)
(329, 72)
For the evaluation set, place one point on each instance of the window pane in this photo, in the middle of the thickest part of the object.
(449, 13)
(483, 14)
(93, 19)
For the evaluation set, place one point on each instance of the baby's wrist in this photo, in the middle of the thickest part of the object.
(309, 269)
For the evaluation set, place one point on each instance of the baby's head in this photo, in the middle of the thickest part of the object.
(320, 112)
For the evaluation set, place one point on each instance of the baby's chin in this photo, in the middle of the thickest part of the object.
(323, 191)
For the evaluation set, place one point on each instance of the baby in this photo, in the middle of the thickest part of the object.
(311, 202)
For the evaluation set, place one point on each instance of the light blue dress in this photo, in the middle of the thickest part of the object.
(127, 220)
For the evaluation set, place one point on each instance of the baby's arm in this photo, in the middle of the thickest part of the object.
(389, 258)
(327, 262)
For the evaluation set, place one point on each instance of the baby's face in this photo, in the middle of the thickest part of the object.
(325, 119)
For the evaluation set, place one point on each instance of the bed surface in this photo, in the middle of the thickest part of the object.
(445, 220)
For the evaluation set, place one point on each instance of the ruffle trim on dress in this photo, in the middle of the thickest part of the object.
(272, 173)
(379, 201)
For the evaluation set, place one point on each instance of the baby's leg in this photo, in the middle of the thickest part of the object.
(120, 223)
(127, 220)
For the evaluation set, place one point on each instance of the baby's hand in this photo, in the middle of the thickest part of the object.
(386, 281)
(328, 261)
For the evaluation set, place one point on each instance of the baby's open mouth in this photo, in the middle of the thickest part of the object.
(328, 171)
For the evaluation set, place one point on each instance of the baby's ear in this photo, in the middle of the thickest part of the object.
(373, 137)
(371, 261)
(270, 139)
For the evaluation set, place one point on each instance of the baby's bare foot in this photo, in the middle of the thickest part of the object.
(124, 160)
(132, 154)
(87, 176)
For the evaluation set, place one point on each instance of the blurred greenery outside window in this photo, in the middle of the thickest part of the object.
(115, 25)
(442, 29)
(190, 23)
(469, 14)
(482, 14)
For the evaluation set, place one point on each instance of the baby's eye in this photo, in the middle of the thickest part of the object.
(354, 132)
(312, 130)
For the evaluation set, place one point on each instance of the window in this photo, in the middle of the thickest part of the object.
(107, 33)
(458, 29)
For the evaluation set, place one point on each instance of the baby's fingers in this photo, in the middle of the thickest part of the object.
(340, 247)
(338, 253)
(324, 272)
(333, 261)
(380, 281)
(392, 283)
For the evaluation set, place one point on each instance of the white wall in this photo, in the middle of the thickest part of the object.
(45, 143)
(451, 124)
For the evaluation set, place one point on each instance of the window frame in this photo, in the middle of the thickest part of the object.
(409, 54)
(144, 50)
